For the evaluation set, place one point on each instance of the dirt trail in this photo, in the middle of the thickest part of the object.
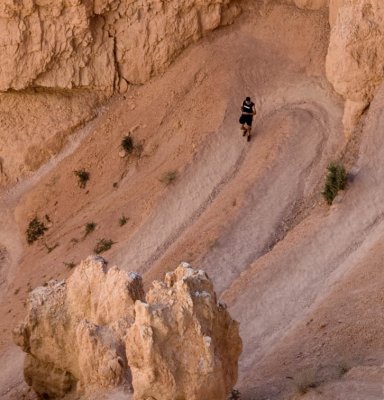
(263, 70)
(285, 287)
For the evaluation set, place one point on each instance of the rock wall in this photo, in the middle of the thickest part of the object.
(96, 331)
(356, 53)
(99, 44)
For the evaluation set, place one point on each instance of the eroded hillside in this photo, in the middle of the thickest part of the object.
(303, 279)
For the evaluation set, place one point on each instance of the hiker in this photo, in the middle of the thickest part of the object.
(248, 110)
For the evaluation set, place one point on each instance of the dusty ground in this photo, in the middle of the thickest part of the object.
(303, 279)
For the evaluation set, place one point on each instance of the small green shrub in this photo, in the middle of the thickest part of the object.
(83, 177)
(123, 220)
(89, 228)
(103, 245)
(336, 180)
(127, 144)
(169, 177)
(35, 230)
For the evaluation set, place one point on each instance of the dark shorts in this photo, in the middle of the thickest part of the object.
(246, 119)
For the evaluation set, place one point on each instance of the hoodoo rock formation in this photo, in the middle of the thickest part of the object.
(73, 333)
(183, 344)
(96, 330)
(99, 44)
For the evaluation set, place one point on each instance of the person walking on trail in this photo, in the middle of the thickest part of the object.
(248, 110)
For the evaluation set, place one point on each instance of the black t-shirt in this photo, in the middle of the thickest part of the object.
(248, 108)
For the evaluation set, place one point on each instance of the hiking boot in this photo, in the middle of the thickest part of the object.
(249, 138)
(244, 133)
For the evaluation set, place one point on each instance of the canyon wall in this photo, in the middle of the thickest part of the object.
(98, 47)
(51, 47)
(356, 53)
(99, 44)
(99, 330)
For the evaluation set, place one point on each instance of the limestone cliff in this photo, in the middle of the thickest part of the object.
(96, 331)
(99, 44)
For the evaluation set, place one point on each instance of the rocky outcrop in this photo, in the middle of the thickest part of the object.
(99, 44)
(356, 53)
(183, 344)
(96, 331)
(73, 333)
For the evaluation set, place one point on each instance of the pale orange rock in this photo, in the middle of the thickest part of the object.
(356, 53)
(183, 343)
(311, 4)
(93, 44)
(95, 331)
(73, 332)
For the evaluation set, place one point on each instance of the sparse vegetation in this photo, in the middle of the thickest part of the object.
(127, 144)
(343, 368)
(336, 180)
(70, 265)
(103, 245)
(306, 381)
(169, 177)
(123, 220)
(83, 177)
(74, 241)
(35, 230)
(235, 395)
(89, 228)
(51, 248)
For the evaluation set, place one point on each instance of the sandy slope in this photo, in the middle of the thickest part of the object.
(250, 214)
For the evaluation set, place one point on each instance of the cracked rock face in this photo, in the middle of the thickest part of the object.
(73, 333)
(99, 44)
(183, 344)
(95, 330)
(356, 53)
